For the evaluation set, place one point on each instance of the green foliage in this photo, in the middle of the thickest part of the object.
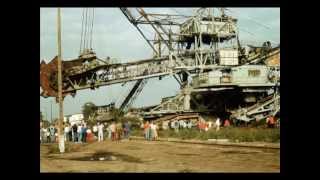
(116, 114)
(45, 123)
(135, 122)
(88, 109)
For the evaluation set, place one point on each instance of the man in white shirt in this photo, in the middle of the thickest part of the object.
(217, 124)
(172, 124)
(66, 133)
(209, 124)
(100, 132)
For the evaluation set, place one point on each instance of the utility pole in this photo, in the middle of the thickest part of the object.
(46, 113)
(51, 111)
(60, 131)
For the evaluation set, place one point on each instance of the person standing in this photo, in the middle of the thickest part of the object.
(84, 133)
(209, 124)
(95, 130)
(100, 132)
(44, 135)
(150, 134)
(113, 131)
(176, 126)
(226, 123)
(189, 124)
(66, 132)
(154, 131)
(70, 133)
(52, 134)
(109, 131)
(271, 122)
(172, 124)
(146, 130)
(151, 129)
(126, 129)
(199, 125)
(89, 136)
(184, 124)
(180, 124)
(48, 135)
(118, 131)
(206, 127)
(217, 124)
(74, 132)
(79, 132)
(56, 139)
(105, 130)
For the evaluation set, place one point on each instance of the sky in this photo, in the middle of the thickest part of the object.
(116, 37)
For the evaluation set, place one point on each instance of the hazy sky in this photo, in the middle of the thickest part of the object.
(114, 36)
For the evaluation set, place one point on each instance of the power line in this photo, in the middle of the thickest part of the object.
(85, 25)
(92, 28)
(251, 19)
(82, 30)
(176, 12)
(252, 34)
(87, 29)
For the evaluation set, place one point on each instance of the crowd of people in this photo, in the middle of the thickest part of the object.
(271, 122)
(82, 133)
(49, 134)
(115, 131)
(205, 126)
(150, 131)
(202, 125)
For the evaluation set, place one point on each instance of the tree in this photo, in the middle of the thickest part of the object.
(45, 123)
(88, 109)
(116, 114)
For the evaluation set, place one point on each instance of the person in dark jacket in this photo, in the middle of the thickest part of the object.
(74, 132)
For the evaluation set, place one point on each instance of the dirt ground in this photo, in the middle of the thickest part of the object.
(156, 156)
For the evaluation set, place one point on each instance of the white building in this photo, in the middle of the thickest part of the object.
(76, 118)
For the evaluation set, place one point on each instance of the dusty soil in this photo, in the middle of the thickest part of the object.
(156, 156)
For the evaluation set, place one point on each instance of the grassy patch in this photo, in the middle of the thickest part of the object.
(235, 134)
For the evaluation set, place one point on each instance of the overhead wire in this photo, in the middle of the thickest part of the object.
(85, 32)
(82, 27)
(87, 29)
(92, 28)
(251, 19)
